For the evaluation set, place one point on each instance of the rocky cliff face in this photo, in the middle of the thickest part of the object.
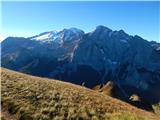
(89, 59)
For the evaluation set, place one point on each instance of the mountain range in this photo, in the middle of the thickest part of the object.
(89, 59)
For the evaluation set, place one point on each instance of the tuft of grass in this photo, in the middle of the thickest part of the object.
(26, 116)
(156, 108)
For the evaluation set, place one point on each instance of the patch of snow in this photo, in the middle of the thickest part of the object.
(49, 37)
(109, 60)
(59, 37)
(72, 54)
(30, 48)
(110, 33)
(102, 51)
(75, 30)
(68, 36)
(63, 57)
(124, 41)
(158, 49)
(112, 62)
(42, 37)
(72, 33)
(46, 37)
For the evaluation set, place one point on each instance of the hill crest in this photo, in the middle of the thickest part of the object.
(31, 98)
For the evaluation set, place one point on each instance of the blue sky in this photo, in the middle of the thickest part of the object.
(30, 18)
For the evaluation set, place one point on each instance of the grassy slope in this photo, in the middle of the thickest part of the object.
(26, 97)
(157, 109)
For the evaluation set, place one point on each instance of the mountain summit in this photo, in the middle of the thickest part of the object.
(91, 59)
(59, 37)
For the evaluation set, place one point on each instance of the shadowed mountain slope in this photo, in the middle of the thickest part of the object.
(90, 59)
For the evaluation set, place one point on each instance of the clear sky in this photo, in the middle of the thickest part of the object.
(30, 18)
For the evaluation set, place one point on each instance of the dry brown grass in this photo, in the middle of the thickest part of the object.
(33, 98)
(157, 109)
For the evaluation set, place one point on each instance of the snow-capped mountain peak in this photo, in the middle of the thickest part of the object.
(59, 37)
(46, 36)
(72, 34)
(101, 27)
